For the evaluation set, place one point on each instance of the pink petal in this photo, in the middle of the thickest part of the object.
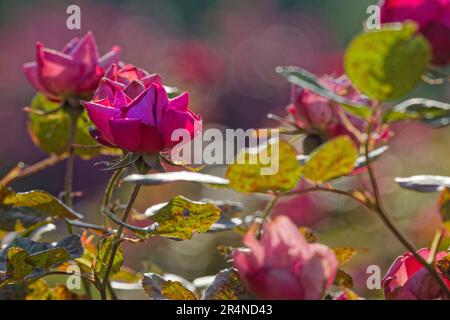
(100, 116)
(126, 133)
(68, 48)
(31, 72)
(181, 102)
(110, 58)
(85, 53)
(174, 119)
(151, 140)
(134, 88)
(143, 107)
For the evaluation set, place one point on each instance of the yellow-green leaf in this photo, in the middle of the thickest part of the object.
(227, 286)
(48, 258)
(280, 174)
(444, 204)
(102, 259)
(159, 288)
(45, 202)
(344, 254)
(331, 160)
(181, 217)
(386, 64)
(51, 132)
(16, 266)
(343, 279)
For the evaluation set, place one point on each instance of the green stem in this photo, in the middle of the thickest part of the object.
(108, 193)
(390, 225)
(116, 242)
(267, 211)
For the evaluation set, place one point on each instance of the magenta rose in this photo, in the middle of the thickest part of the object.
(433, 18)
(131, 110)
(283, 265)
(321, 116)
(74, 71)
(407, 279)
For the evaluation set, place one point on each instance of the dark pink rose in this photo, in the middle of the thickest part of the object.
(131, 111)
(407, 279)
(433, 18)
(283, 265)
(74, 71)
(321, 116)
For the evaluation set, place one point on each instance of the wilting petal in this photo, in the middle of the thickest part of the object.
(143, 107)
(100, 116)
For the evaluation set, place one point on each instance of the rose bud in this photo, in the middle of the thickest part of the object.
(325, 119)
(283, 265)
(131, 110)
(407, 279)
(433, 18)
(74, 71)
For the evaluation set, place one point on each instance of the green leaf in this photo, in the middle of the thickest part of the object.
(45, 202)
(37, 250)
(48, 258)
(331, 160)
(444, 266)
(309, 81)
(16, 266)
(181, 217)
(433, 113)
(424, 183)
(227, 286)
(386, 64)
(159, 288)
(27, 217)
(343, 279)
(247, 177)
(102, 259)
(51, 132)
(179, 176)
(178, 219)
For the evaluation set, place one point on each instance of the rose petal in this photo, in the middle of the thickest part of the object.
(100, 116)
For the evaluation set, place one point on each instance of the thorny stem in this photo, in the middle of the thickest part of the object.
(388, 222)
(116, 241)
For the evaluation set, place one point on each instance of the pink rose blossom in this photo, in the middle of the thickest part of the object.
(131, 111)
(407, 279)
(433, 18)
(74, 71)
(283, 265)
(319, 115)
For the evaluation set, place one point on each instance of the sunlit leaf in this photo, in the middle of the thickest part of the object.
(51, 132)
(48, 258)
(424, 183)
(433, 113)
(444, 266)
(102, 259)
(227, 286)
(308, 234)
(159, 288)
(283, 175)
(45, 202)
(16, 266)
(387, 63)
(179, 176)
(309, 81)
(343, 279)
(444, 204)
(331, 160)
(344, 254)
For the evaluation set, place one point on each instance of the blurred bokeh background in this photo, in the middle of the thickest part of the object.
(224, 52)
